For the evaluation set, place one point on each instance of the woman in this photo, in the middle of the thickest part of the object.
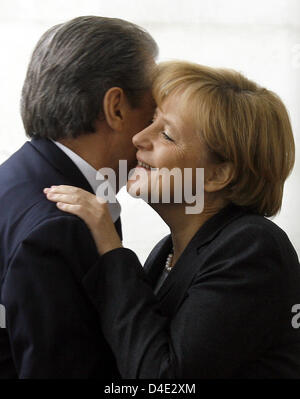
(215, 298)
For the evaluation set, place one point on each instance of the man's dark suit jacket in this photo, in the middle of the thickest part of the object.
(52, 329)
(225, 310)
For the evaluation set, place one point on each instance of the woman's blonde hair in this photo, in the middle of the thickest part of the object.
(240, 122)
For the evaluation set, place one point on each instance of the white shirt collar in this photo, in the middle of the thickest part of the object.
(90, 174)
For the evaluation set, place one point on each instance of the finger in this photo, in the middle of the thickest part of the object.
(63, 189)
(66, 198)
(101, 200)
(70, 208)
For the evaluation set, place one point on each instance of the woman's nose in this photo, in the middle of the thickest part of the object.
(142, 139)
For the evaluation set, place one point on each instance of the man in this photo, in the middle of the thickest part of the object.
(86, 93)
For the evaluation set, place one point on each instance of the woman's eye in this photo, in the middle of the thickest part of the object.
(166, 136)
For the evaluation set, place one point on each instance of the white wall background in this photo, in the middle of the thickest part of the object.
(260, 38)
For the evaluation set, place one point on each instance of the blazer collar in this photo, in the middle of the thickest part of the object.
(66, 167)
(174, 287)
(61, 162)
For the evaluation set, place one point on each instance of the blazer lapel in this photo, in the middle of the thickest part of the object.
(174, 288)
(66, 167)
(156, 260)
(61, 162)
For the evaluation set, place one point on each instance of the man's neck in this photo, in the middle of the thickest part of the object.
(86, 146)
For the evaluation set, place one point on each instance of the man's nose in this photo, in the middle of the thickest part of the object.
(142, 140)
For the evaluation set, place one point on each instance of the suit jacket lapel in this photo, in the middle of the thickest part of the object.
(61, 162)
(156, 260)
(66, 167)
(176, 284)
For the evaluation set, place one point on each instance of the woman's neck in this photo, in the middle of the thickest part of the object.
(184, 226)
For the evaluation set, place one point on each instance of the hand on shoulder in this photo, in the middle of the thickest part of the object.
(91, 209)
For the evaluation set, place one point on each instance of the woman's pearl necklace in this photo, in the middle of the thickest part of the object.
(168, 264)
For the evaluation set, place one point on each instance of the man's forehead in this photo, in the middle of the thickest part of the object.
(148, 99)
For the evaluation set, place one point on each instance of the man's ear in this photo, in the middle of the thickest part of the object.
(115, 106)
(218, 177)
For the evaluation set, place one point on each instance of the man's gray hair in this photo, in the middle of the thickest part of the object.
(72, 67)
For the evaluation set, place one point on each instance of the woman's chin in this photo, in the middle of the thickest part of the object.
(138, 189)
(146, 185)
(137, 182)
(130, 188)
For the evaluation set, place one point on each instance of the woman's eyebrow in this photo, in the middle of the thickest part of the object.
(169, 122)
(165, 119)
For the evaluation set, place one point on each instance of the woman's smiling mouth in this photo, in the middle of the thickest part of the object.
(145, 165)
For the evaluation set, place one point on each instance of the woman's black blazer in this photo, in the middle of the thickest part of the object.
(228, 309)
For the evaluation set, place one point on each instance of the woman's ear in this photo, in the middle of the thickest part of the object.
(115, 107)
(218, 177)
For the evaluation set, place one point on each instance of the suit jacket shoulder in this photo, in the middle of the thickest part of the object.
(52, 330)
